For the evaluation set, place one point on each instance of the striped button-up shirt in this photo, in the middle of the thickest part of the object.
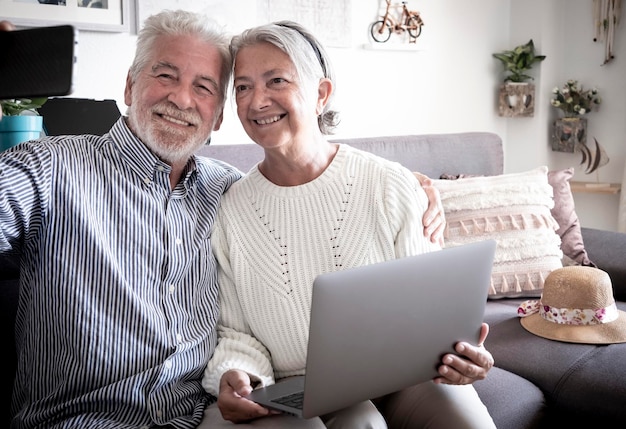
(118, 293)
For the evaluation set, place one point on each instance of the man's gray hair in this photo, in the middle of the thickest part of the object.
(182, 23)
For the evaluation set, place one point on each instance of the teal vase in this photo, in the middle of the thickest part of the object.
(17, 129)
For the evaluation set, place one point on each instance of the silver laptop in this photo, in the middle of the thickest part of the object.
(380, 328)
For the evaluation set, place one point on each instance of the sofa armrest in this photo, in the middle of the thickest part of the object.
(607, 249)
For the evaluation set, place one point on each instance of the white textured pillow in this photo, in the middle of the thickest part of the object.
(513, 209)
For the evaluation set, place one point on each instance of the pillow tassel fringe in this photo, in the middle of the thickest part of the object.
(526, 223)
(529, 282)
(514, 223)
(505, 284)
(522, 283)
(489, 227)
(501, 225)
(540, 221)
(507, 287)
(518, 286)
(542, 279)
(491, 224)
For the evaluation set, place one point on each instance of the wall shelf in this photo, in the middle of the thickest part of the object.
(596, 188)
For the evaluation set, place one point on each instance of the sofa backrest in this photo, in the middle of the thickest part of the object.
(477, 153)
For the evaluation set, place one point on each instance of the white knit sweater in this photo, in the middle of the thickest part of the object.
(271, 242)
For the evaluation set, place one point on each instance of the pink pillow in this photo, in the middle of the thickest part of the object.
(563, 211)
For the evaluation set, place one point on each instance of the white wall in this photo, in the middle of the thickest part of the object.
(563, 30)
(580, 58)
(449, 85)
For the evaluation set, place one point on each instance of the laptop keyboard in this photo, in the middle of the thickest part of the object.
(292, 400)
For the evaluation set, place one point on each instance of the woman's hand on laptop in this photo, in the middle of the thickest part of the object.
(234, 385)
(473, 363)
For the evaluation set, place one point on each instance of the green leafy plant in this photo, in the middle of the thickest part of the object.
(17, 106)
(517, 62)
(573, 100)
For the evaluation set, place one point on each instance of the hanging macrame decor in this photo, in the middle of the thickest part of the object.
(606, 16)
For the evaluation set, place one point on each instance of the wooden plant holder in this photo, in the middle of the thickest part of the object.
(516, 100)
(568, 134)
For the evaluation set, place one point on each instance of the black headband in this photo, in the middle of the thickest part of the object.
(316, 49)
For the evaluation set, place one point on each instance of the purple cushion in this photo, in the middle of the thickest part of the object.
(563, 211)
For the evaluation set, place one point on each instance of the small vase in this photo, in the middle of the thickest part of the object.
(516, 99)
(17, 129)
(568, 134)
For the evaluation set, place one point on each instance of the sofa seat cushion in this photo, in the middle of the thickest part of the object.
(512, 401)
(585, 380)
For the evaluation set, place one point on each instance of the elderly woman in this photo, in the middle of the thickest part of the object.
(311, 207)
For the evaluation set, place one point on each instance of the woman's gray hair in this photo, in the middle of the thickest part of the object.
(182, 23)
(305, 52)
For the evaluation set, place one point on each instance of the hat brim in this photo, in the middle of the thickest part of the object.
(606, 333)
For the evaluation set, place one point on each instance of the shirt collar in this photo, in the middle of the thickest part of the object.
(143, 163)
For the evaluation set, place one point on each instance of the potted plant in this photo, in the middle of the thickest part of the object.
(570, 131)
(573, 101)
(18, 106)
(517, 93)
(518, 62)
(20, 121)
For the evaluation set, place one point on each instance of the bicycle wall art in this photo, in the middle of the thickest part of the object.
(397, 19)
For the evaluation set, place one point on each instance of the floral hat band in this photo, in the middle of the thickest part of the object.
(576, 306)
(569, 316)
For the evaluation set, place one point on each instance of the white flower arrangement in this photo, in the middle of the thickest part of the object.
(573, 101)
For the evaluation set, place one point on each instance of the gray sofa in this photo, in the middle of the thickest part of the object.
(537, 383)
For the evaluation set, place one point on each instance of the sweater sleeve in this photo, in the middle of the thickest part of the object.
(237, 348)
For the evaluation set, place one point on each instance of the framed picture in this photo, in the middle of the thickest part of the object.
(97, 15)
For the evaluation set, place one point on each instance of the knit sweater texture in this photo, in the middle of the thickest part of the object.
(272, 241)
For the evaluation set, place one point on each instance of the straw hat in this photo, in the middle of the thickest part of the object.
(576, 306)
